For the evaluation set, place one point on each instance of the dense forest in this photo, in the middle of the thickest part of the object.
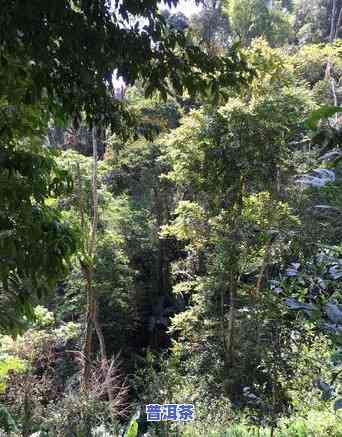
(171, 218)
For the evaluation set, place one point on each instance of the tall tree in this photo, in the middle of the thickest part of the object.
(250, 19)
(318, 20)
(211, 27)
(229, 167)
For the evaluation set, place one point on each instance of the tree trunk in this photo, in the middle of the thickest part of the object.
(87, 269)
(92, 322)
(233, 277)
(88, 341)
(334, 30)
(332, 22)
(264, 265)
(231, 325)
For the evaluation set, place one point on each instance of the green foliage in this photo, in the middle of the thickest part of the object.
(213, 150)
(322, 113)
(251, 19)
(126, 272)
(310, 62)
(320, 65)
(7, 422)
(312, 20)
(133, 430)
(57, 53)
(210, 27)
(40, 58)
(37, 364)
(7, 365)
(317, 423)
(238, 227)
(217, 269)
(35, 245)
(43, 317)
(75, 415)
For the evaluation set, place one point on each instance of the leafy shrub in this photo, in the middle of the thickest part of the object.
(9, 365)
(310, 62)
(316, 424)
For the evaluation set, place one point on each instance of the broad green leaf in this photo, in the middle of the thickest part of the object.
(133, 430)
(324, 112)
